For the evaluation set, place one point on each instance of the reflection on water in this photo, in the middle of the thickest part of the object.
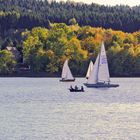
(44, 109)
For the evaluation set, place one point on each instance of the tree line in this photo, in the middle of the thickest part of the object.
(46, 49)
(22, 14)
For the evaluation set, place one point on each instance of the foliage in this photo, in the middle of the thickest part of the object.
(58, 44)
(22, 14)
(7, 63)
(46, 49)
(33, 51)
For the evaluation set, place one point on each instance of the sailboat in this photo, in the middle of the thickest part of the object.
(89, 69)
(66, 73)
(99, 76)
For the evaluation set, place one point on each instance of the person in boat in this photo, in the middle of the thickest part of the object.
(82, 88)
(76, 88)
(71, 87)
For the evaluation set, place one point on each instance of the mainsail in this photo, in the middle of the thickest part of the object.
(89, 69)
(66, 73)
(100, 73)
(103, 74)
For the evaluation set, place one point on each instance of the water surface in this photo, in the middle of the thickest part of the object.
(44, 109)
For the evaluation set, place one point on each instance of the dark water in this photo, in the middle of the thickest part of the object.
(44, 109)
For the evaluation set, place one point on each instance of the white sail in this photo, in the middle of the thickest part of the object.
(69, 74)
(103, 73)
(89, 69)
(93, 77)
(64, 70)
(66, 73)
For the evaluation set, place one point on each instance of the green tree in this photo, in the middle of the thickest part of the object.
(7, 63)
(72, 21)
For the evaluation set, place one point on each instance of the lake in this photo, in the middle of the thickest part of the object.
(44, 109)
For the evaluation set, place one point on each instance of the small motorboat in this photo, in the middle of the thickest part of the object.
(76, 89)
(67, 80)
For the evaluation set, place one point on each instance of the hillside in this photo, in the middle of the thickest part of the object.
(21, 14)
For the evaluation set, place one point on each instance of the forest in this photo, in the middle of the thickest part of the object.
(45, 50)
(42, 35)
(21, 14)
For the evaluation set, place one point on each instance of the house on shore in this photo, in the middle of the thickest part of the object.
(15, 52)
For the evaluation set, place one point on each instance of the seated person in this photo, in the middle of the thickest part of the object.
(76, 88)
(71, 87)
(82, 88)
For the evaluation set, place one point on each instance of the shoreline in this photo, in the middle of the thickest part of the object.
(46, 75)
(31, 74)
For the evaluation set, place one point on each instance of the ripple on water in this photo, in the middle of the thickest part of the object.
(43, 108)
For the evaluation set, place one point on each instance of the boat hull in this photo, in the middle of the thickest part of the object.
(101, 85)
(67, 80)
(74, 90)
